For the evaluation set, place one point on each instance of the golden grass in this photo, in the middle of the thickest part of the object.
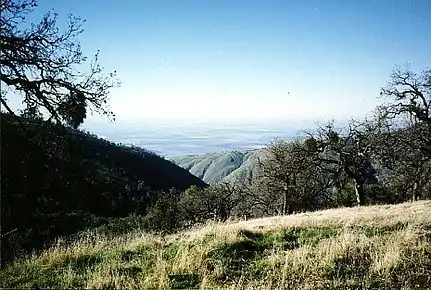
(385, 246)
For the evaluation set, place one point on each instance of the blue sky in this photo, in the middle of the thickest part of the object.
(251, 60)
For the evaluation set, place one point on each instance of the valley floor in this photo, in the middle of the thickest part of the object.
(387, 246)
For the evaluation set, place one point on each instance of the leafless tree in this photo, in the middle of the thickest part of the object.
(42, 65)
(343, 155)
(289, 180)
(406, 150)
(408, 105)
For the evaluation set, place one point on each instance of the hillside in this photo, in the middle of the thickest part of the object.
(227, 166)
(54, 178)
(386, 246)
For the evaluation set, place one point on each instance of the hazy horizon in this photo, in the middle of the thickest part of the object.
(171, 139)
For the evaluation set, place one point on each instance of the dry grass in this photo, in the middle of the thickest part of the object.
(367, 247)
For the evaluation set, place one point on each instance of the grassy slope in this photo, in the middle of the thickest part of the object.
(368, 247)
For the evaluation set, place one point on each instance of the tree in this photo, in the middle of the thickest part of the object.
(217, 202)
(289, 181)
(406, 171)
(165, 215)
(343, 157)
(409, 176)
(40, 63)
(408, 105)
(406, 149)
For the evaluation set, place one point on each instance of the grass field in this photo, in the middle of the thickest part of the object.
(368, 247)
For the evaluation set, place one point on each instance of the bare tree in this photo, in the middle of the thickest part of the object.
(42, 65)
(406, 114)
(343, 156)
(407, 170)
(408, 105)
(289, 181)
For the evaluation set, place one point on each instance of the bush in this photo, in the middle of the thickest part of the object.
(166, 216)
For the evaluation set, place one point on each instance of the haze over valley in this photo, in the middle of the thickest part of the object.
(170, 138)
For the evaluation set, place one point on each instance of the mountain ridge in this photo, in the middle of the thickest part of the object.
(223, 166)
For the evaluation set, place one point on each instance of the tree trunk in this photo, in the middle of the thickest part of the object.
(286, 195)
(414, 191)
(359, 190)
(290, 209)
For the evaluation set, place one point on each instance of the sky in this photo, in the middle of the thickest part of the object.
(250, 60)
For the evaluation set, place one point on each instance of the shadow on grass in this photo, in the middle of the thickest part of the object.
(185, 281)
(290, 239)
(243, 257)
(353, 265)
(18, 276)
(130, 271)
(379, 231)
(83, 263)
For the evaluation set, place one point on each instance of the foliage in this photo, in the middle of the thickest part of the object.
(165, 215)
(213, 203)
(343, 156)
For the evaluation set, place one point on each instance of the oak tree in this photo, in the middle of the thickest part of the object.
(344, 155)
(408, 105)
(42, 64)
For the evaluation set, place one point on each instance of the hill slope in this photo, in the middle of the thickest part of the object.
(356, 248)
(221, 166)
(50, 174)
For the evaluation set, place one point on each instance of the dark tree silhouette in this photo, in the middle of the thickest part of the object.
(408, 100)
(40, 63)
(405, 119)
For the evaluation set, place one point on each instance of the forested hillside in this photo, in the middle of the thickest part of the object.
(53, 177)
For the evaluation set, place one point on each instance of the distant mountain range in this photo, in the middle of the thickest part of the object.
(227, 166)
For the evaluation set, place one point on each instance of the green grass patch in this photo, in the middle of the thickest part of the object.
(143, 255)
(243, 257)
(238, 258)
(170, 251)
(185, 281)
(289, 239)
(85, 262)
(140, 252)
(29, 275)
(387, 230)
